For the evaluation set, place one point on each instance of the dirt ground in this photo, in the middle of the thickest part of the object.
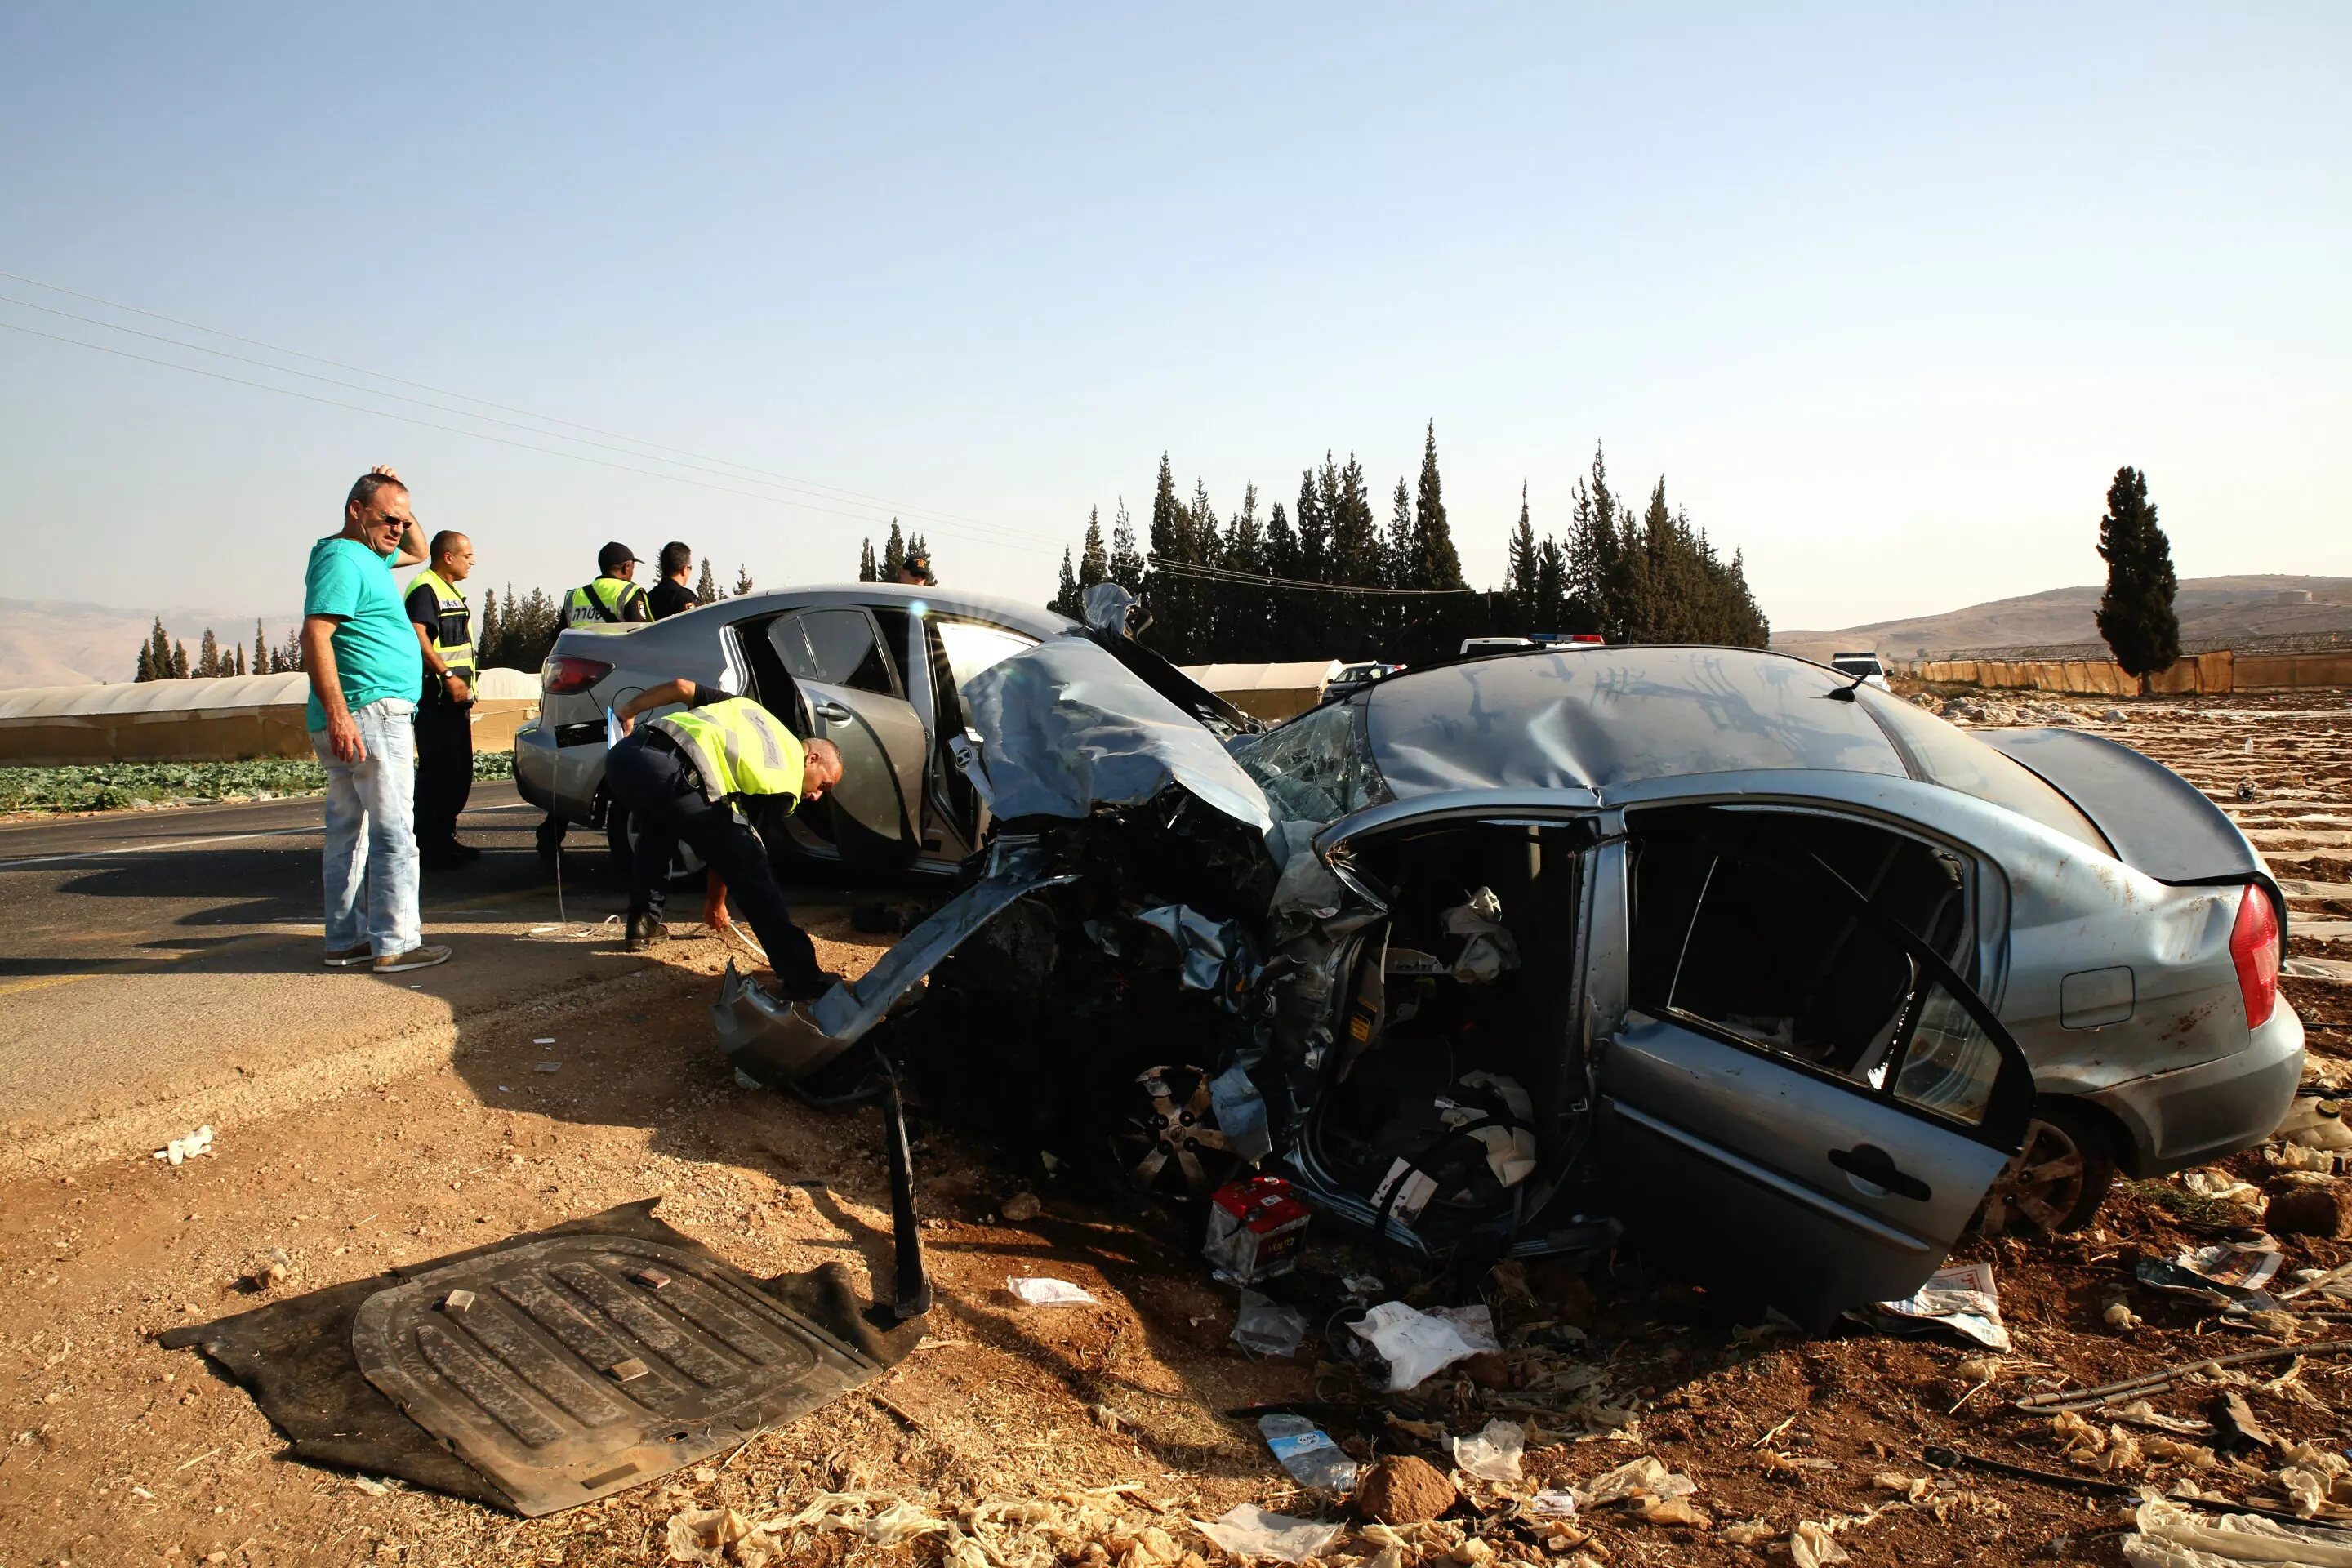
(1071, 1433)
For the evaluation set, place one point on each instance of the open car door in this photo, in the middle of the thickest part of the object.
(850, 697)
(1806, 1103)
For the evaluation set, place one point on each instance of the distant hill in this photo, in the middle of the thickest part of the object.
(2215, 612)
(53, 642)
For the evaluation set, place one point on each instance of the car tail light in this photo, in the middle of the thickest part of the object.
(2255, 949)
(561, 677)
(1586, 638)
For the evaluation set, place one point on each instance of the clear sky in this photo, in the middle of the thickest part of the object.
(1885, 295)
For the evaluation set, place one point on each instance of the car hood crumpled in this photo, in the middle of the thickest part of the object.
(1063, 729)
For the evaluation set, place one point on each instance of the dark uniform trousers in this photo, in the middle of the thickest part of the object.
(666, 807)
(445, 766)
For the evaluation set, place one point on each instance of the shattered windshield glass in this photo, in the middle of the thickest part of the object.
(1317, 768)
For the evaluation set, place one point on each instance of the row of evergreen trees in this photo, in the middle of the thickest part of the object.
(884, 568)
(509, 633)
(165, 658)
(1330, 581)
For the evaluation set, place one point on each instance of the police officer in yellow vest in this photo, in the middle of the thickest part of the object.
(614, 595)
(693, 775)
(444, 624)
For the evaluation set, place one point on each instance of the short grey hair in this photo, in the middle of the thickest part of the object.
(364, 488)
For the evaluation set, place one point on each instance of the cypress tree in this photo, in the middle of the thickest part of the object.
(208, 655)
(2136, 614)
(1125, 562)
(1065, 596)
(1094, 560)
(742, 580)
(1552, 605)
(1243, 633)
(894, 554)
(866, 568)
(1521, 580)
(1436, 564)
(159, 651)
(706, 586)
(179, 662)
(261, 647)
(146, 669)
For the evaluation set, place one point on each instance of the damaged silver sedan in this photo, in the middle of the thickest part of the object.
(1773, 970)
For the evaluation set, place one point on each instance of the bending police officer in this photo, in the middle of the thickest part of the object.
(693, 776)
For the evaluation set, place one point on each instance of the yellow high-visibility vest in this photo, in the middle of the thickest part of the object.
(606, 599)
(739, 748)
(453, 633)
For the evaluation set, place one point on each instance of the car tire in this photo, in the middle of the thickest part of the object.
(2059, 1178)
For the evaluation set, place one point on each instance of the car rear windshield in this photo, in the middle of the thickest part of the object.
(1939, 753)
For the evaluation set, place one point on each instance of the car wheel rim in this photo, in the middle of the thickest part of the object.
(2041, 1186)
(1170, 1131)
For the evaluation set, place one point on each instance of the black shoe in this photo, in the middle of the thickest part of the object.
(644, 931)
(465, 851)
(806, 989)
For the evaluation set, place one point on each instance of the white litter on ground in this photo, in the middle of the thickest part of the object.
(1037, 1292)
(178, 1150)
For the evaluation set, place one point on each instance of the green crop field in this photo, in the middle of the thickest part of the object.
(112, 785)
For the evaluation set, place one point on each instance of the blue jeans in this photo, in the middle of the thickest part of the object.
(370, 870)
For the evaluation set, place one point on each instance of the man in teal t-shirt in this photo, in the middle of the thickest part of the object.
(366, 673)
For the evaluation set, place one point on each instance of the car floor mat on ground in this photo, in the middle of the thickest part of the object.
(553, 1367)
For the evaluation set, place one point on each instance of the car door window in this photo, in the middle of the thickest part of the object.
(1951, 1063)
(1773, 960)
(971, 647)
(835, 646)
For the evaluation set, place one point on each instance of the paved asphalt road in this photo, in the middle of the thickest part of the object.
(164, 965)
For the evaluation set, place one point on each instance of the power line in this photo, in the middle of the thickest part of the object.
(1296, 584)
(789, 482)
(459, 413)
(457, 430)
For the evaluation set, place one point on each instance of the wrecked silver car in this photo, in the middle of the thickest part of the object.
(1774, 970)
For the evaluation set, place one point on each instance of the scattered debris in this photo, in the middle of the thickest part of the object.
(2226, 1274)
(1267, 1327)
(1493, 1453)
(548, 1067)
(1036, 1291)
(180, 1150)
(1307, 1452)
(1250, 1530)
(1418, 1345)
(1635, 1479)
(1961, 1297)
(2168, 1535)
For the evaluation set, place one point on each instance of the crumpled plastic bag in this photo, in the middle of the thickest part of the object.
(1041, 1292)
(715, 1535)
(1416, 1346)
(1250, 1530)
(1267, 1327)
(1811, 1543)
(1645, 1477)
(1493, 1453)
(2170, 1536)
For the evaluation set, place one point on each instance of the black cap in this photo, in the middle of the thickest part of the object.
(615, 555)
